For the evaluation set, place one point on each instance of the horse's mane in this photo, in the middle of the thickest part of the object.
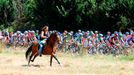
(50, 37)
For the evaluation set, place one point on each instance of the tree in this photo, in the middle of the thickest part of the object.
(7, 13)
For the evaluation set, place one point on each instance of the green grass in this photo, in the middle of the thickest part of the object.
(11, 51)
(2, 47)
(84, 56)
(127, 58)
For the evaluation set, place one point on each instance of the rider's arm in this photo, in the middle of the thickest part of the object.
(118, 41)
(42, 35)
(113, 41)
(122, 41)
(93, 41)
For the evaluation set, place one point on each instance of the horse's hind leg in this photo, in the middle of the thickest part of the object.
(34, 58)
(30, 58)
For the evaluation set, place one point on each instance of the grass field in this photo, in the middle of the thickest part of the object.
(13, 62)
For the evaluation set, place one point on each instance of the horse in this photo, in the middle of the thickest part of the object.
(48, 49)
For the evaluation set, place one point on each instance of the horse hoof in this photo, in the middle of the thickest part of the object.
(40, 55)
(29, 65)
(31, 60)
(60, 65)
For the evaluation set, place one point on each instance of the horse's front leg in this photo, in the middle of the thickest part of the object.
(34, 58)
(56, 59)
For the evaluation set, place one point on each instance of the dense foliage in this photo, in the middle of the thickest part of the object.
(102, 15)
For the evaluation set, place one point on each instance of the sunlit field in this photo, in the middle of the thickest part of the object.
(13, 62)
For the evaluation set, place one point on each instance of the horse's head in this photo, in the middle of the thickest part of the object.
(57, 37)
(54, 38)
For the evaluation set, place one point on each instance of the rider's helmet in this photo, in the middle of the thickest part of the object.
(127, 33)
(120, 34)
(101, 35)
(96, 32)
(79, 31)
(108, 33)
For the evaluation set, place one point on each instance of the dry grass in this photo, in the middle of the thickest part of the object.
(14, 63)
(2, 47)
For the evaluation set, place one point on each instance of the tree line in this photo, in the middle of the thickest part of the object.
(101, 15)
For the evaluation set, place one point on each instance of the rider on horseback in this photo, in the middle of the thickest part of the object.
(43, 35)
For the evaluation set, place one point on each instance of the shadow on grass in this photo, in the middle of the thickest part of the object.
(31, 65)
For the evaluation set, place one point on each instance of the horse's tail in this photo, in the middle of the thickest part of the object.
(28, 51)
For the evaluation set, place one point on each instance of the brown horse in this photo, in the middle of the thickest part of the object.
(48, 49)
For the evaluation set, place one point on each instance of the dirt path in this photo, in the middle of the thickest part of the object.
(16, 64)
